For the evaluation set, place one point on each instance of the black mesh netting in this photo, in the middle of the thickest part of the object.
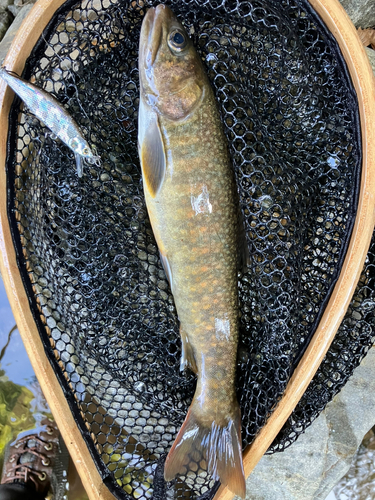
(89, 258)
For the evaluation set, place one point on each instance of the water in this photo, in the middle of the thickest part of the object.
(13, 356)
(359, 481)
(22, 404)
(19, 390)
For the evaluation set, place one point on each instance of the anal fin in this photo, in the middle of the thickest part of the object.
(187, 354)
(167, 269)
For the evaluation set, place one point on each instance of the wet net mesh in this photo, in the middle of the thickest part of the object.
(88, 256)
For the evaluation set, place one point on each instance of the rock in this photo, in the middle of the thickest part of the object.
(312, 466)
(5, 20)
(371, 56)
(361, 12)
(17, 5)
(4, 4)
(8, 38)
(9, 9)
(14, 9)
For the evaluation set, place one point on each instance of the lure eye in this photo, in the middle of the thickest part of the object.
(86, 151)
(177, 40)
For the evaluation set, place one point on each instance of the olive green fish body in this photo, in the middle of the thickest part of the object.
(191, 200)
(194, 219)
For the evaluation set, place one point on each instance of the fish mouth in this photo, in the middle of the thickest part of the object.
(154, 24)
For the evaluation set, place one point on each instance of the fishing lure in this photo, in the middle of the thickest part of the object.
(54, 116)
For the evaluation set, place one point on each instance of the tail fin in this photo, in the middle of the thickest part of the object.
(219, 445)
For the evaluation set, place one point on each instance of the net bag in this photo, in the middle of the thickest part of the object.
(87, 256)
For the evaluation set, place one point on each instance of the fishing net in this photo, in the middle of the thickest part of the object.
(87, 253)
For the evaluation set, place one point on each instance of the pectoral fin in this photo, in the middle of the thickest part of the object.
(152, 156)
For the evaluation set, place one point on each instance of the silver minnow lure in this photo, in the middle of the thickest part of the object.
(53, 115)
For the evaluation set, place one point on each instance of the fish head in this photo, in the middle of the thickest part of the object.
(172, 77)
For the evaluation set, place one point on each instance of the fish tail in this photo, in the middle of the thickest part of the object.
(220, 446)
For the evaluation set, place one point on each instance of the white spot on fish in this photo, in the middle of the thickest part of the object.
(201, 204)
(222, 328)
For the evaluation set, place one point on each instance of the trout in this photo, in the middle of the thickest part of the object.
(53, 115)
(191, 200)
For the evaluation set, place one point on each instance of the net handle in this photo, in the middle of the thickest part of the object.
(338, 22)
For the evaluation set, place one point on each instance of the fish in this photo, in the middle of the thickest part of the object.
(191, 199)
(54, 116)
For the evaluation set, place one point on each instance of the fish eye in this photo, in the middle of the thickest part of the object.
(177, 40)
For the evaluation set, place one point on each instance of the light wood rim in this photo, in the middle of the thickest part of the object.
(338, 22)
(24, 41)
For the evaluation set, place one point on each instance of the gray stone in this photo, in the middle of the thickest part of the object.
(16, 6)
(311, 467)
(371, 56)
(361, 12)
(14, 9)
(8, 38)
(5, 20)
(4, 4)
